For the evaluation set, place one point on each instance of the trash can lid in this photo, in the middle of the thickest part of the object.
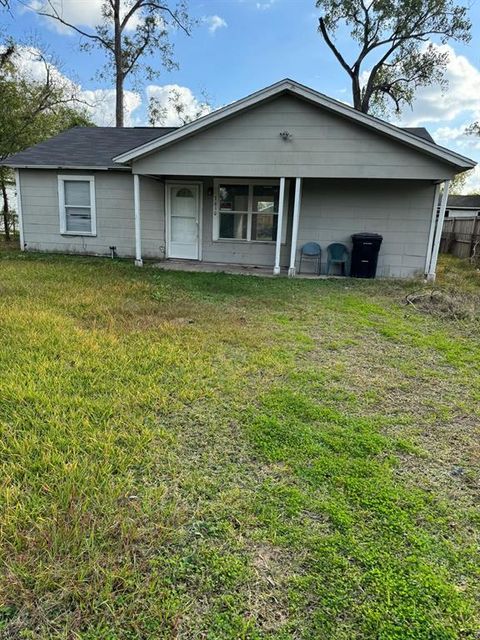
(365, 236)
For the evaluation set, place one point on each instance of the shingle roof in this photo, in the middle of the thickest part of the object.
(464, 202)
(420, 132)
(96, 146)
(86, 147)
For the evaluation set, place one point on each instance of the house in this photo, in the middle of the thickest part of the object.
(463, 206)
(248, 184)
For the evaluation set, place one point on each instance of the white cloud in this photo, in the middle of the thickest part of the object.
(460, 98)
(162, 93)
(458, 136)
(263, 6)
(81, 13)
(99, 103)
(214, 23)
(101, 106)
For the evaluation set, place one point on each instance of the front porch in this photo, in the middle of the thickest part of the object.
(258, 226)
(232, 269)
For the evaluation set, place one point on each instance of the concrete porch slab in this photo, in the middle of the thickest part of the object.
(233, 269)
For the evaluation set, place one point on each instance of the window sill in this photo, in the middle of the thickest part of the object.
(239, 240)
(78, 234)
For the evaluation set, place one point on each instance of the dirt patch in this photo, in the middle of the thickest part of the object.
(453, 305)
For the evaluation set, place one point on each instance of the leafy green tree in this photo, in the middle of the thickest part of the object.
(395, 55)
(129, 33)
(31, 110)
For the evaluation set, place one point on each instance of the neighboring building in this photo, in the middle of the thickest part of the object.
(247, 184)
(463, 206)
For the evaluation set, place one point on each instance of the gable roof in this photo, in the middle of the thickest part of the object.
(464, 202)
(86, 147)
(405, 136)
(95, 147)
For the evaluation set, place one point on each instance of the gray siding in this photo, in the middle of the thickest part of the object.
(331, 211)
(323, 145)
(400, 211)
(115, 214)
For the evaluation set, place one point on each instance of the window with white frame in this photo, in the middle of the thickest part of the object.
(247, 210)
(77, 205)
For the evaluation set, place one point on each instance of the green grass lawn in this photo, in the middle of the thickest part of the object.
(209, 456)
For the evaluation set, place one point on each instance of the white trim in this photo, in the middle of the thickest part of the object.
(168, 209)
(455, 208)
(249, 212)
(138, 227)
(62, 207)
(63, 167)
(304, 92)
(438, 234)
(278, 243)
(19, 210)
(296, 219)
(431, 233)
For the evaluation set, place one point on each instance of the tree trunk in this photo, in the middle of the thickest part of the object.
(356, 92)
(119, 99)
(6, 216)
(119, 77)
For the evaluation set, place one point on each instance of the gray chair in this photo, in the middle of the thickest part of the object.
(311, 251)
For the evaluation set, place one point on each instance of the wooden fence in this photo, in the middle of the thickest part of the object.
(461, 237)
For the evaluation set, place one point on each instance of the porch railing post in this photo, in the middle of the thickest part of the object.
(278, 243)
(438, 233)
(19, 210)
(138, 229)
(431, 234)
(296, 219)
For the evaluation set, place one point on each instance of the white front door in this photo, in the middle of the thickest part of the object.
(183, 212)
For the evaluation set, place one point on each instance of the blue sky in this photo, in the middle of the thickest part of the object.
(243, 45)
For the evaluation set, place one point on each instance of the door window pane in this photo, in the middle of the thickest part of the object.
(183, 230)
(184, 193)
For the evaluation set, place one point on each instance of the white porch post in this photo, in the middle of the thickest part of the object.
(19, 210)
(296, 219)
(431, 233)
(278, 244)
(138, 229)
(438, 234)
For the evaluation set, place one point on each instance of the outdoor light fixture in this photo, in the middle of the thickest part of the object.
(285, 135)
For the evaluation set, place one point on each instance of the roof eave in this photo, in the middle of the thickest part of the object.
(15, 165)
(445, 155)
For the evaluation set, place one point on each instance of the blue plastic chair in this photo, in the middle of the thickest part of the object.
(311, 251)
(337, 253)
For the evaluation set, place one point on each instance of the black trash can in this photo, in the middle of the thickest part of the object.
(365, 254)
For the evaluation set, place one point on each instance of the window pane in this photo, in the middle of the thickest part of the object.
(78, 219)
(264, 227)
(184, 193)
(233, 225)
(265, 198)
(77, 193)
(233, 197)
